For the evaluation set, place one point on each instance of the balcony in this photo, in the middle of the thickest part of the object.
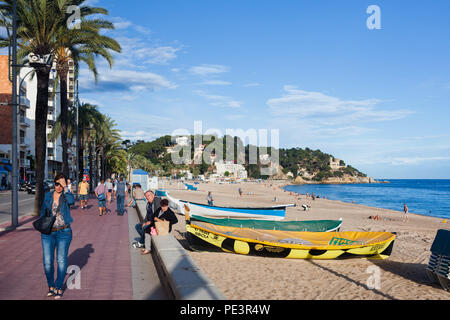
(24, 102)
(24, 122)
(22, 142)
(24, 163)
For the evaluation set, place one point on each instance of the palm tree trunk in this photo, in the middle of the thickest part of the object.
(40, 135)
(64, 117)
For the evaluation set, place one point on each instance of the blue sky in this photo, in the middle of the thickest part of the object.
(378, 99)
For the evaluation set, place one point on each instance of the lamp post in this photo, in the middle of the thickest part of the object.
(77, 173)
(15, 169)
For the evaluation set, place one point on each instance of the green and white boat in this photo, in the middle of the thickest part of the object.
(305, 225)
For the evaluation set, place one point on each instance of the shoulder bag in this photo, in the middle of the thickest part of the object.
(45, 223)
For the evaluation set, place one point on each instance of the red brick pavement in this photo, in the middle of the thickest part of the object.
(100, 248)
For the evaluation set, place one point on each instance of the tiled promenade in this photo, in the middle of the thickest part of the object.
(101, 250)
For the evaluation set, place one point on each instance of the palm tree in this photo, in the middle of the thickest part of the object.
(40, 26)
(37, 24)
(77, 45)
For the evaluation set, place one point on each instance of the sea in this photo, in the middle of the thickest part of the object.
(426, 197)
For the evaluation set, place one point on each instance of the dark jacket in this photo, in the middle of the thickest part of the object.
(152, 208)
(65, 202)
(169, 215)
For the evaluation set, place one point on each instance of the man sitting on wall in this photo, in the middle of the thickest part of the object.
(153, 204)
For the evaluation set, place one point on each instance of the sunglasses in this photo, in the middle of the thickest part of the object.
(57, 184)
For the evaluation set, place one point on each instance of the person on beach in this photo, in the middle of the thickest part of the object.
(153, 205)
(209, 198)
(240, 192)
(100, 193)
(121, 195)
(109, 187)
(405, 211)
(58, 202)
(83, 190)
(164, 213)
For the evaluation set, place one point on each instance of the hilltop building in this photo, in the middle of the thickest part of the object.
(335, 163)
(236, 171)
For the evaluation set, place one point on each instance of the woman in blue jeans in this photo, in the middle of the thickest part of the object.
(58, 202)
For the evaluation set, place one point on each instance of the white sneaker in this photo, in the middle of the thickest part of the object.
(136, 244)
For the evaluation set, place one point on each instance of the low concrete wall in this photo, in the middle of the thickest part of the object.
(179, 274)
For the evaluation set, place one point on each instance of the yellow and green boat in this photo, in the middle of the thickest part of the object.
(289, 244)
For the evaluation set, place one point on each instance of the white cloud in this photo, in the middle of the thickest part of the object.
(252, 84)
(216, 83)
(220, 101)
(136, 52)
(159, 55)
(400, 161)
(316, 106)
(123, 80)
(140, 135)
(208, 69)
(120, 23)
(416, 160)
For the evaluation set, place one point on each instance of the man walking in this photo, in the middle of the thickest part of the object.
(83, 190)
(121, 195)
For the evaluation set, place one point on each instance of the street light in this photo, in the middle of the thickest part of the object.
(14, 178)
(77, 173)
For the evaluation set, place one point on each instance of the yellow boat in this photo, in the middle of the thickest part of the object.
(290, 244)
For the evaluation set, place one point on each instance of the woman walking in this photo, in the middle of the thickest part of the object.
(109, 186)
(58, 202)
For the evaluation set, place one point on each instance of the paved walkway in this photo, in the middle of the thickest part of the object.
(101, 250)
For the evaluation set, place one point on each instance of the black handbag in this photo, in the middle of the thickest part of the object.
(45, 223)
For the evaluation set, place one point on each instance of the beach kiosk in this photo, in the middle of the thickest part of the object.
(153, 183)
(141, 177)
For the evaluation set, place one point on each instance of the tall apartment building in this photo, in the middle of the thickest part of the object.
(72, 154)
(54, 147)
(23, 123)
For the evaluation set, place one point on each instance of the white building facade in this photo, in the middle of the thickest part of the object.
(54, 147)
(236, 171)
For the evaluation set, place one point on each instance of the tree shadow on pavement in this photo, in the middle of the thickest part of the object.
(80, 256)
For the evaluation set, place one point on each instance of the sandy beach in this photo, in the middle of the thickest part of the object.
(402, 275)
